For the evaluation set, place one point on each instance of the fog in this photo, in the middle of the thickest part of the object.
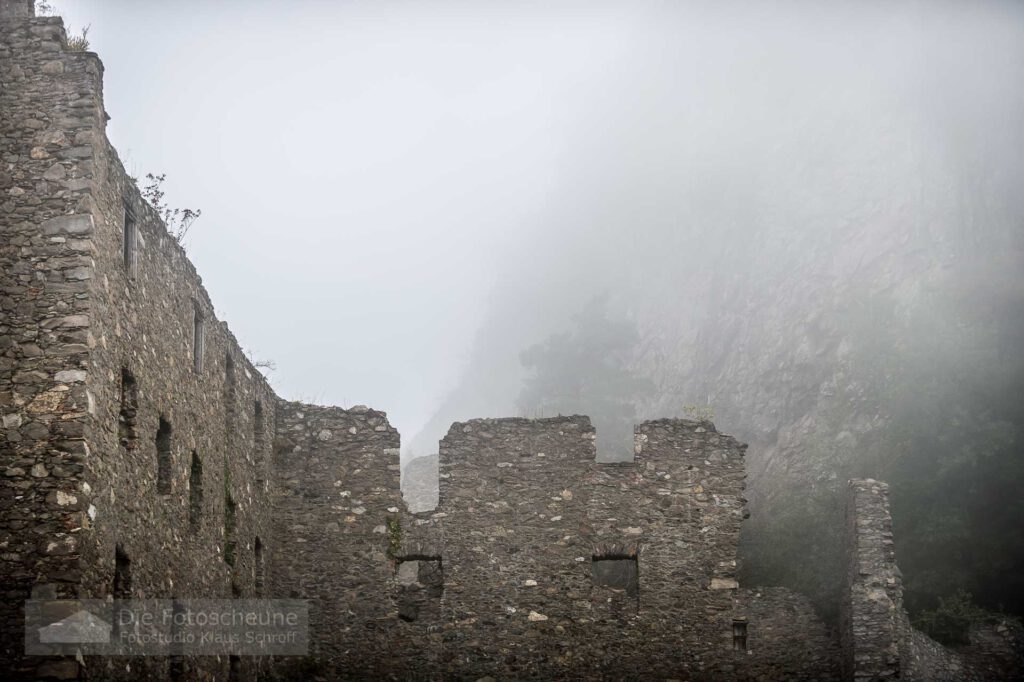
(745, 140)
(363, 169)
(405, 204)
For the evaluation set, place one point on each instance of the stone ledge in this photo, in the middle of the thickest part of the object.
(77, 224)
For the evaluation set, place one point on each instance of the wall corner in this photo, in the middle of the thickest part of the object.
(871, 607)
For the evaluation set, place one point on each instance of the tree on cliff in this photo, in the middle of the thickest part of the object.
(586, 371)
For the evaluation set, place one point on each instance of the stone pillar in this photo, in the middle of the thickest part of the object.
(17, 9)
(872, 602)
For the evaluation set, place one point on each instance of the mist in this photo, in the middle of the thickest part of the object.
(810, 219)
(803, 219)
(734, 147)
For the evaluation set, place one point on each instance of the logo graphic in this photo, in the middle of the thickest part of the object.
(80, 627)
(166, 627)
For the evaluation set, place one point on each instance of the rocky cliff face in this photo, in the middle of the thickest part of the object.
(848, 303)
(419, 484)
(886, 340)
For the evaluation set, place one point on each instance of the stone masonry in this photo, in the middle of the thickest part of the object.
(878, 642)
(143, 456)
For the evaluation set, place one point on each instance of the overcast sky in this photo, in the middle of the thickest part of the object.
(368, 170)
(361, 168)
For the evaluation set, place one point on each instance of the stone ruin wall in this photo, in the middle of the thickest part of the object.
(130, 469)
(336, 505)
(80, 451)
(878, 641)
(526, 517)
(511, 508)
(204, 527)
(785, 635)
(499, 581)
(47, 100)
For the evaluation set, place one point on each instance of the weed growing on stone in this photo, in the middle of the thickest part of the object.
(79, 43)
(394, 527)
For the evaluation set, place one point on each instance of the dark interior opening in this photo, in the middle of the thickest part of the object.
(130, 242)
(163, 457)
(258, 568)
(126, 424)
(230, 521)
(739, 635)
(420, 586)
(195, 492)
(122, 574)
(618, 573)
(198, 340)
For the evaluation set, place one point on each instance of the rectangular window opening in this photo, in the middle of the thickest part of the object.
(195, 492)
(176, 668)
(163, 457)
(130, 242)
(258, 568)
(198, 340)
(121, 589)
(259, 427)
(230, 521)
(257, 424)
(176, 664)
(420, 586)
(739, 635)
(229, 393)
(615, 582)
(126, 425)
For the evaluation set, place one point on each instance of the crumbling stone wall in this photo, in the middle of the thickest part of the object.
(878, 641)
(873, 600)
(517, 576)
(506, 579)
(99, 359)
(784, 638)
(336, 530)
(678, 507)
(995, 649)
(527, 516)
(49, 109)
(189, 519)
